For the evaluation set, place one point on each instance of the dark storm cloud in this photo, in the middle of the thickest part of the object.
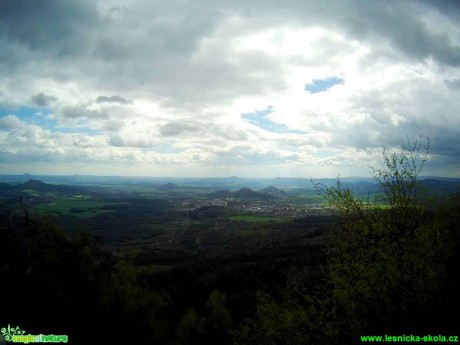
(401, 24)
(113, 99)
(42, 100)
(453, 83)
(149, 47)
(46, 24)
(450, 8)
(153, 34)
(398, 22)
(445, 143)
(79, 111)
(162, 60)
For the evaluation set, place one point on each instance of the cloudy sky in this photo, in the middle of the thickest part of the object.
(218, 88)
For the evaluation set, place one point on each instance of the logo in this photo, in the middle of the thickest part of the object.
(17, 335)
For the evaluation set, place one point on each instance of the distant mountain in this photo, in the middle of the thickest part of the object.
(37, 185)
(363, 187)
(432, 185)
(441, 186)
(359, 184)
(291, 182)
(243, 193)
(273, 191)
(43, 187)
(40, 187)
(247, 193)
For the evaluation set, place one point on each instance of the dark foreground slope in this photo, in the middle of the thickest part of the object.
(145, 294)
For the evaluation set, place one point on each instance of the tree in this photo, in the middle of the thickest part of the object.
(211, 328)
(386, 258)
(191, 328)
(391, 268)
(218, 320)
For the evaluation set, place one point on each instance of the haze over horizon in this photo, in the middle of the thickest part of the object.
(215, 89)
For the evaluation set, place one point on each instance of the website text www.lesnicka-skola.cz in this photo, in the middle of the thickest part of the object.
(410, 338)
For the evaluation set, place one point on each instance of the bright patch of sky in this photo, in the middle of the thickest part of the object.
(261, 119)
(321, 85)
(39, 116)
(35, 116)
(165, 148)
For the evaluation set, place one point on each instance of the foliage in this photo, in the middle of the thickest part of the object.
(389, 269)
(293, 321)
(213, 328)
(385, 265)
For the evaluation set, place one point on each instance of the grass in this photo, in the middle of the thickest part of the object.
(258, 219)
(32, 192)
(74, 206)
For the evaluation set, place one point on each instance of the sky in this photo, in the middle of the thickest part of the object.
(213, 88)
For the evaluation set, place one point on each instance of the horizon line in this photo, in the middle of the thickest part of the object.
(218, 177)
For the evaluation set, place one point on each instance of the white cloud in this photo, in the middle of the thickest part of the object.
(164, 84)
(11, 122)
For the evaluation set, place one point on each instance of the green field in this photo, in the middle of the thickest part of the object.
(75, 206)
(32, 192)
(258, 219)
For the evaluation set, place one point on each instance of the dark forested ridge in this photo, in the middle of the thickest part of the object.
(173, 263)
